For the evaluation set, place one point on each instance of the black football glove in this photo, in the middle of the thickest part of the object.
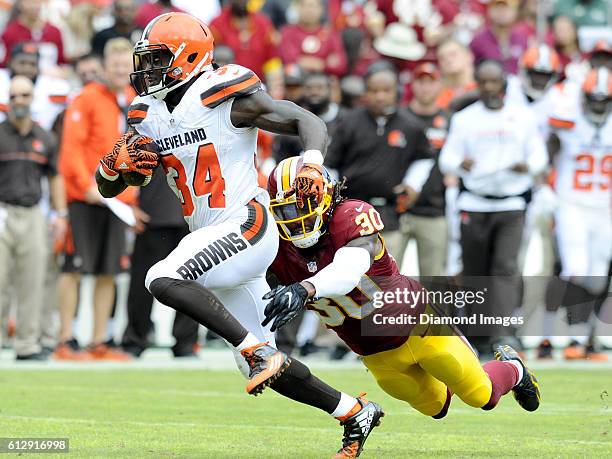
(287, 303)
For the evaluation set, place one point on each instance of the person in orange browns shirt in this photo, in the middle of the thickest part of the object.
(457, 68)
(92, 124)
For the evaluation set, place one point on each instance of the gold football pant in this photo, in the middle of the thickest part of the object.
(420, 370)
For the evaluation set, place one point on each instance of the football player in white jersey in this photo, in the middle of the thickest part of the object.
(204, 120)
(582, 140)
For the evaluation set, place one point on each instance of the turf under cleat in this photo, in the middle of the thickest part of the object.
(265, 365)
(358, 427)
(527, 391)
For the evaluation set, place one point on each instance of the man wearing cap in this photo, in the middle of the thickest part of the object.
(374, 146)
(27, 154)
(423, 189)
(500, 40)
(50, 93)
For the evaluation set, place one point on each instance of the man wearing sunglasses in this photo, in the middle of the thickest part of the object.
(27, 153)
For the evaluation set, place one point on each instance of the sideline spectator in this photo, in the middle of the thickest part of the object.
(375, 145)
(528, 22)
(424, 188)
(251, 36)
(457, 68)
(50, 93)
(29, 26)
(124, 12)
(496, 149)
(314, 46)
(317, 93)
(149, 11)
(27, 153)
(566, 42)
(93, 122)
(78, 29)
(88, 68)
(163, 232)
(500, 40)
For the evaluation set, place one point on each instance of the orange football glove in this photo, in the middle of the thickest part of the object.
(126, 157)
(309, 182)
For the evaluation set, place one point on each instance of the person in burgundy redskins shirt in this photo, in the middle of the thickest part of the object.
(500, 39)
(314, 46)
(251, 36)
(332, 259)
(29, 26)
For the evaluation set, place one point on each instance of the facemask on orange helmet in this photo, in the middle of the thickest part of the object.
(597, 95)
(174, 48)
(302, 226)
(540, 68)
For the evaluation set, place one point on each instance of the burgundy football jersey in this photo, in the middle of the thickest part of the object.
(357, 318)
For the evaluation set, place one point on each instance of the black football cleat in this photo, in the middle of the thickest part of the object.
(358, 427)
(265, 365)
(527, 391)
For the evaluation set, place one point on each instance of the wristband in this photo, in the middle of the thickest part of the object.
(107, 173)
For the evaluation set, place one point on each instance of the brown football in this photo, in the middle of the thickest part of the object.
(140, 142)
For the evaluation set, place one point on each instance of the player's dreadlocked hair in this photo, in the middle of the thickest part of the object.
(337, 197)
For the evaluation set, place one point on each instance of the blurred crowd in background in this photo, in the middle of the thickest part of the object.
(461, 121)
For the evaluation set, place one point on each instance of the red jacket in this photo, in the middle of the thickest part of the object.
(50, 38)
(255, 48)
(323, 42)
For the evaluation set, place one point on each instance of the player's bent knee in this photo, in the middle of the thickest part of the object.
(478, 396)
(157, 271)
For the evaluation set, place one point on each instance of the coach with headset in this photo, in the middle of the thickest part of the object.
(374, 146)
(496, 150)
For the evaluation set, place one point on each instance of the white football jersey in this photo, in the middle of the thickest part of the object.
(584, 163)
(209, 163)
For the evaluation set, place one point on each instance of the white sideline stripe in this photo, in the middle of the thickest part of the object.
(206, 425)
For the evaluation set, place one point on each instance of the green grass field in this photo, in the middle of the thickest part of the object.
(207, 414)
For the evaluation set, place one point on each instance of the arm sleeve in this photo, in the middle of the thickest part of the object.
(72, 163)
(418, 173)
(452, 153)
(343, 274)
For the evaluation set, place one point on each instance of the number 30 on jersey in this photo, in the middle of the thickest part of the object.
(207, 179)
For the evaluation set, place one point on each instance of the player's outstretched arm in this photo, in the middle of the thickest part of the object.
(281, 117)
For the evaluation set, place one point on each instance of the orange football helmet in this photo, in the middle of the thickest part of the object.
(174, 48)
(540, 68)
(597, 95)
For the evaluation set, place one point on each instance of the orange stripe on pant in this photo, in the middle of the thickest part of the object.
(255, 226)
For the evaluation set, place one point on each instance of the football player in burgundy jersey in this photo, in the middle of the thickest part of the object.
(332, 260)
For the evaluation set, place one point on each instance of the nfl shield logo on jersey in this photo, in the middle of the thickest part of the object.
(312, 266)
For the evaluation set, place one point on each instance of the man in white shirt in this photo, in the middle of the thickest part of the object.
(495, 148)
